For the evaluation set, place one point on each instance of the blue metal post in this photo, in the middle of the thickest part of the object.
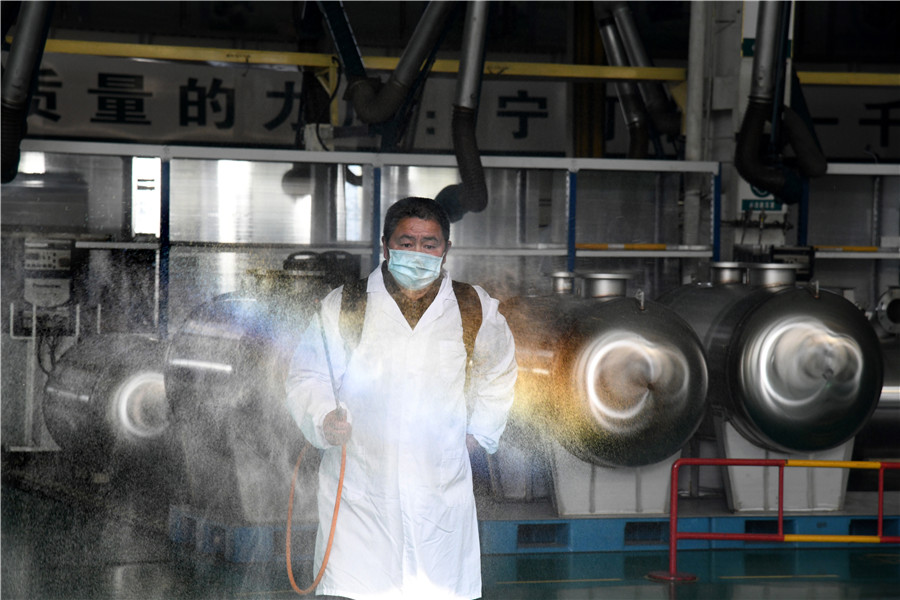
(376, 217)
(803, 215)
(571, 189)
(164, 248)
(717, 216)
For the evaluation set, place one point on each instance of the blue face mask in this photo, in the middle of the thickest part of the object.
(414, 270)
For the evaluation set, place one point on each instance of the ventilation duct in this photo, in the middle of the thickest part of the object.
(373, 101)
(627, 91)
(21, 67)
(471, 196)
(662, 110)
(757, 161)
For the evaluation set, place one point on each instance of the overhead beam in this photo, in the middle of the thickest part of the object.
(386, 63)
(377, 63)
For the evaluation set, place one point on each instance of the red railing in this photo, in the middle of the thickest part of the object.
(675, 535)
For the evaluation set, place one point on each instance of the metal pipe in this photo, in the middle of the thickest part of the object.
(778, 180)
(782, 52)
(376, 103)
(465, 112)
(768, 25)
(18, 76)
(662, 112)
(627, 91)
(765, 104)
(472, 61)
(423, 39)
(471, 195)
(693, 120)
(693, 117)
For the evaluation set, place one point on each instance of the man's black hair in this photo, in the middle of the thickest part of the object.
(422, 208)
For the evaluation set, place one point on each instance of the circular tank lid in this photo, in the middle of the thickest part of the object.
(771, 274)
(602, 285)
(563, 282)
(721, 273)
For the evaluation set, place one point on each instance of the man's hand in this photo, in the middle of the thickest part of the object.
(336, 428)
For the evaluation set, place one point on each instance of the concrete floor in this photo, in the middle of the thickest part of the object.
(109, 540)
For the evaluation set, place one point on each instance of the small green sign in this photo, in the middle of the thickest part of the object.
(760, 204)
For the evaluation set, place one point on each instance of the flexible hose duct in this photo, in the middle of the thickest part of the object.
(474, 188)
(752, 146)
(472, 195)
(24, 58)
(811, 162)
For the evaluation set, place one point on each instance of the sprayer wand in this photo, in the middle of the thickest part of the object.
(337, 404)
(337, 500)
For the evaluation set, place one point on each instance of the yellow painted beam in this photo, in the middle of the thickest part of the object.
(553, 70)
(861, 79)
(386, 63)
(836, 464)
(188, 53)
(377, 63)
(862, 539)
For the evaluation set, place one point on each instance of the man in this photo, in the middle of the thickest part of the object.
(410, 409)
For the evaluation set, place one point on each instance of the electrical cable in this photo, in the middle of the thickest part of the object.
(52, 342)
(40, 354)
(337, 506)
(324, 111)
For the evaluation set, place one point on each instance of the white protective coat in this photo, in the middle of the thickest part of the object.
(407, 526)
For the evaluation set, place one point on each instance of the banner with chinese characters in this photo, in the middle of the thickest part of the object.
(860, 124)
(164, 102)
(150, 101)
(516, 117)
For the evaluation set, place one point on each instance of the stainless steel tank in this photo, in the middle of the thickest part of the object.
(105, 403)
(792, 369)
(617, 381)
(225, 370)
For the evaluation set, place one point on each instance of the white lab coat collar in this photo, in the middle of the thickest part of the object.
(376, 285)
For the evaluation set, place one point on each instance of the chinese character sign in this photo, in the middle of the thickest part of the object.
(124, 100)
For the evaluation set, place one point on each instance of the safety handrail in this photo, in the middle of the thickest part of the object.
(675, 535)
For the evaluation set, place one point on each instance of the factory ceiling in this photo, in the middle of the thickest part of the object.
(516, 27)
(853, 33)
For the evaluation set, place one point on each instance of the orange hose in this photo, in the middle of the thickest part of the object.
(337, 505)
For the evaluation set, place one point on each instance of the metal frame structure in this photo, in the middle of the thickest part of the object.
(674, 535)
(572, 166)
